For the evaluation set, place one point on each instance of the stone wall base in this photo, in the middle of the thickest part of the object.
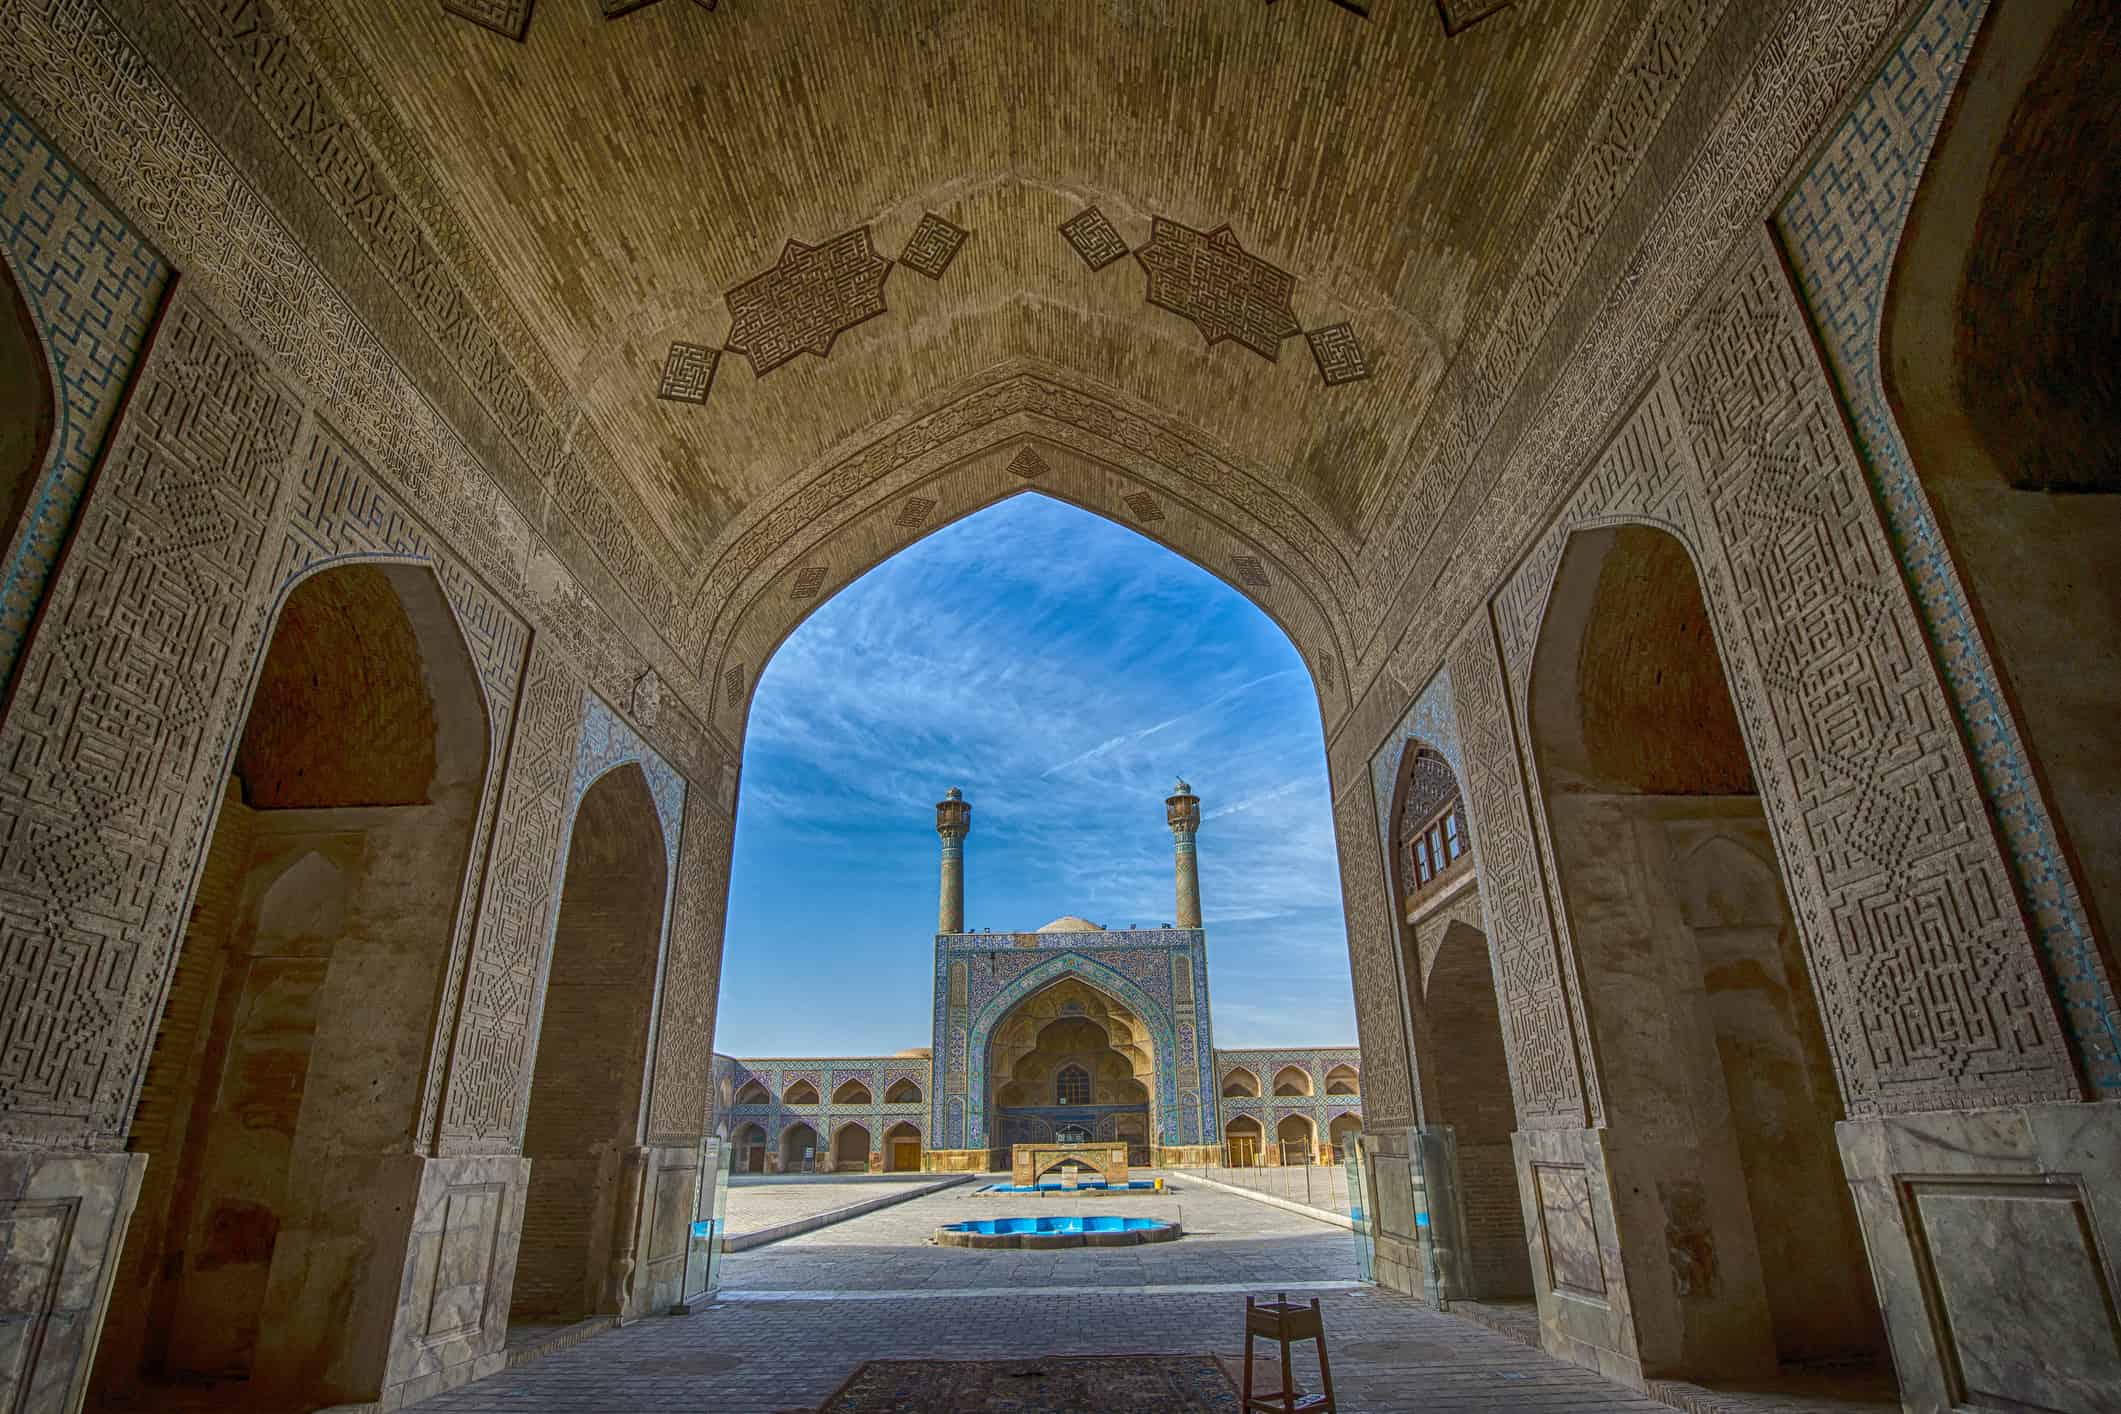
(64, 1215)
(1186, 1156)
(1994, 1237)
(963, 1161)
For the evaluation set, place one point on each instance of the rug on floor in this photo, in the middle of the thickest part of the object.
(1122, 1384)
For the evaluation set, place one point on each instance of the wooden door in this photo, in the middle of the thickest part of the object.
(905, 1155)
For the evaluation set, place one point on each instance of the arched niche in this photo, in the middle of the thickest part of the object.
(850, 1148)
(799, 1145)
(1242, 1141)
(585, 1128)
(748, 1150)
(289, 1070)
(1341, 1080)
(1343, 1132)
(1240, 1083)
(752, 1093)
(2000, 347)
(902, 1092)
(902, 1148)
(852, 1092)
(801, 1092)
(1719, 1095)
(1298, 1138)
(1292, 1080)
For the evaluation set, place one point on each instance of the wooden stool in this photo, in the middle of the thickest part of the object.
(1281, 1320)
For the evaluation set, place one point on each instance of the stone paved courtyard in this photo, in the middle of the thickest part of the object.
(797, 1317)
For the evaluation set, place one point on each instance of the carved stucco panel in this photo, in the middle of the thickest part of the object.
(1929, 989)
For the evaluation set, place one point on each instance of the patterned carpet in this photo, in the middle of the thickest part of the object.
(1120, 1384)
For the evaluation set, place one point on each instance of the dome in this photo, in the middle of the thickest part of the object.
(1071, 924)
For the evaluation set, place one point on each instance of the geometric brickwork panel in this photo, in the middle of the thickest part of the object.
(1209, 278)
(680, 1100)
(688, 373)
(1459, 15)
(490, 1066)
(134, 688)
(1539, 1023)
(1929, 988)
(932, 246)
(1841, 228)
(805, 301)
(504, 17)
(91, 286)
(1227, 292)
(127, 701)
(1380, 1023)
(808, 299)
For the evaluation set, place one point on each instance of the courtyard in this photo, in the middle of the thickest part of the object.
(794, 1319)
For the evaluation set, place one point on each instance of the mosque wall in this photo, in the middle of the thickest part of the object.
(1702, 347)
(257, 436)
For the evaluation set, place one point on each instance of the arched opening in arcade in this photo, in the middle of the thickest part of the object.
(1343, 1132)
(748, 1150)
(586, 1130)
(753, 1093)
(802, 1092)
(1292, 1080)
(903, 1092)
(1341, 1080)
(850, 1149)
(2000, 354)
(286, 1086)
(1711, 1060)
(902, 1147)
(1243, 1145)
(799, 1148)
(1450, 981)
(1297, 1138)
(852, 1092)
(1240, 1084)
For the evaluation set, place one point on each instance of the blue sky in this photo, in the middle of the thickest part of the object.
(1062, 670)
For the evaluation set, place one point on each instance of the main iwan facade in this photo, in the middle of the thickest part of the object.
(1071, 1031)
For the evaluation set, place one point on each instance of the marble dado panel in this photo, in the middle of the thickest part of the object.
(1841, 228)
(92, 286)
(169, 177)
(1992, 1238)
(1892, 871)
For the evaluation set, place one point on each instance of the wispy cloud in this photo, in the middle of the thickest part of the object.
(1061, 670)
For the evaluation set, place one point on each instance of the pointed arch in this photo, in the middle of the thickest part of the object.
(1163, 1098)
(1292, 1080)
(1240, 1083)
(799, 1092)
(852, 1091)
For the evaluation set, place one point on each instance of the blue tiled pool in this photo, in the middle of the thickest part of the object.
(1059, 1231)
(1096, 1185)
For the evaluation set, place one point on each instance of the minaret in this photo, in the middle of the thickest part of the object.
(1182, 809)
(953, 821)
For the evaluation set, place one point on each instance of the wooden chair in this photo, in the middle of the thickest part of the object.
(1283, 1321)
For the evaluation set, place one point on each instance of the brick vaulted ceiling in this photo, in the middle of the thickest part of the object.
(618, 178)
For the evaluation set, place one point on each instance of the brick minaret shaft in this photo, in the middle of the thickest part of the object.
(953, 821)
(1182, 809)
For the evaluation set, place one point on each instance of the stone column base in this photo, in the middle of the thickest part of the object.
(1994, 1237)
